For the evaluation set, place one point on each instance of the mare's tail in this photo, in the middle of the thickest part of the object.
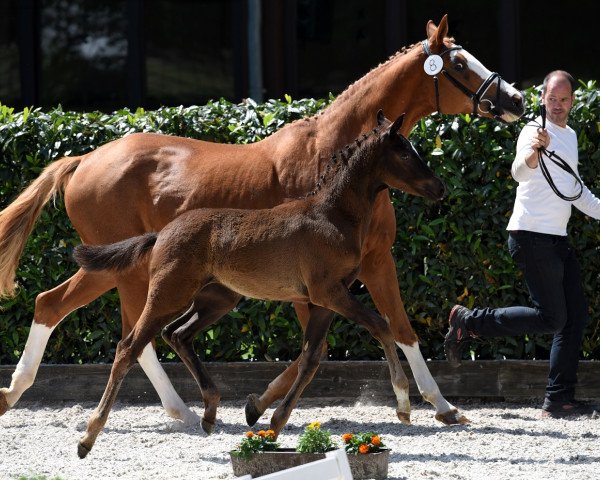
(116, 256)
(17, 220)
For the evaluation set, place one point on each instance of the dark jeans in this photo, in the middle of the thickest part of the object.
(553, 277)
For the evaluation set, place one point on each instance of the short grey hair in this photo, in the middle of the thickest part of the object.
(559, 73)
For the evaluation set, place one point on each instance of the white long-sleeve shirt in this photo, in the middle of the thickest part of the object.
(537, 208)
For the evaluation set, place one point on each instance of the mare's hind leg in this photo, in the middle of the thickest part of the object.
(257, 404)
(210, 304)
(132, 293)
(50, 308)
(308, 362)
(378, 273)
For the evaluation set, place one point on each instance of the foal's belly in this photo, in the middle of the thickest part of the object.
(265, 288)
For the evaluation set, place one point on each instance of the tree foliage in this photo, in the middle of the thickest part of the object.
(447, 252)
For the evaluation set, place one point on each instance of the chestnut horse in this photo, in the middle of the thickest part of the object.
(308, 251)
(141, 182)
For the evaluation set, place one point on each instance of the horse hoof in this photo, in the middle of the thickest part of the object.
(252, 412)
(82, 450)
(404, 417)
(208, 426)
(452, 417)
(3, 404)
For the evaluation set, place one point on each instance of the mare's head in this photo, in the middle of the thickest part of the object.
(461, 84)
(400, 166)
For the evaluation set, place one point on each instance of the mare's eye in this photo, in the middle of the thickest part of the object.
(459, 67)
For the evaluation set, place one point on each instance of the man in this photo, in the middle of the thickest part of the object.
(539, 245)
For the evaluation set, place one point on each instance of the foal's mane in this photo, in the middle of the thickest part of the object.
(339, 161)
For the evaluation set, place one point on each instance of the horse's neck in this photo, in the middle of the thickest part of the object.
(395, 87)
(353, 190)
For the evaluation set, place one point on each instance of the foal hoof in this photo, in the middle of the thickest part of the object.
(3, 404)
(452, 417)
(404, 417)
(252, 412)
(208, 426)
(82, 450)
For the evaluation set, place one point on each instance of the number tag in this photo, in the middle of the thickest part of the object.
(433, 64)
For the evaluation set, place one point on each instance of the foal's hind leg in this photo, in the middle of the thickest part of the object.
(378, 273)
(132, 294)
(50, 308)
(167, 299)
(210, 304)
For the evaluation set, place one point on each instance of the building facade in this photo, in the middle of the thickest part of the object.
(107, 54)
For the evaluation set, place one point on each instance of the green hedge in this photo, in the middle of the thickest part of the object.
(445, 252)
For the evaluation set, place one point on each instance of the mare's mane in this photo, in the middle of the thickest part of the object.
(349, 90)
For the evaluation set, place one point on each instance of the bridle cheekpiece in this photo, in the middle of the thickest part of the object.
(434, 65)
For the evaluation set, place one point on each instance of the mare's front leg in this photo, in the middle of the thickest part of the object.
(210, 304)
(50, 309)
(308, 362)
(379, 275)
(132, 294)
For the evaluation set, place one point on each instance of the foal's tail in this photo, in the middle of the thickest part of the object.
(116, 256)
(17, 220)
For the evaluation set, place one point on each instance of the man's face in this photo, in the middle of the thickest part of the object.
(558, 99)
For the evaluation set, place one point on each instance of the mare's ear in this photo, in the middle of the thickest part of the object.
(397, 125)
(380, 118)
(436, 34)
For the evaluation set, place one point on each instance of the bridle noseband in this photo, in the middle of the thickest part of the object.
(476, 97)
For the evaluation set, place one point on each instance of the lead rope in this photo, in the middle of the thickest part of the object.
(558, 161)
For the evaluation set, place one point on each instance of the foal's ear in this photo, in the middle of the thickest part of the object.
(380, 118)
(436, 34)
(395, 128)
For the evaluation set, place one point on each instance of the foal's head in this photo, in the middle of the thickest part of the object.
(400, 165)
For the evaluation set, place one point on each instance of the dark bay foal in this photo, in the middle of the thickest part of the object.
(307, 250)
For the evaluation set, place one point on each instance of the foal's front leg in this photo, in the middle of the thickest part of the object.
(343, 302)
(312, 346)
(257, 404)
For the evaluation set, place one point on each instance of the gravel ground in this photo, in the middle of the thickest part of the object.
(504, 441)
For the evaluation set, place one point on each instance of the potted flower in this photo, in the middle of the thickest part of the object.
(367, 455)
(315, 440)
(258, 453)
(262, 441)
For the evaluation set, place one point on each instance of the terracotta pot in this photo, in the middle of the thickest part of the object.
(368, 466)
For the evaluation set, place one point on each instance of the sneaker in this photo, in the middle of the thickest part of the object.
(567, 408)
(457, 337)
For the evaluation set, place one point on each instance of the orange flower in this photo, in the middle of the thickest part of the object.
(346, 437)
(261, 433)
(375, 440)
(270, 433)
(364, 448)
(249, 434)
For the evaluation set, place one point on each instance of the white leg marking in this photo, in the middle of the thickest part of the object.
(24, 374)
(425, 382)
(171, 401)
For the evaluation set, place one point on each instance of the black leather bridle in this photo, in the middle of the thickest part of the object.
(476, 97)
